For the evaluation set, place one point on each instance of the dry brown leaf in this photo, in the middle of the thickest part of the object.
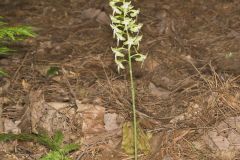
(158, 92)
(33, 112)
(103, 18)
(180, 135)
(226, 155)
(150, 64)
(225, 136)
(100, 16)
(26, 86)
(93, 118)
(10, 126)
(8, 156)
(110, 121)
(39, 117)
(58, 105)
(188, 58)
(4, 86)
(215, 141)
(42, 69)
(90, 13)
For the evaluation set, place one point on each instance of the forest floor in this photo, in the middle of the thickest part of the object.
(188, 89)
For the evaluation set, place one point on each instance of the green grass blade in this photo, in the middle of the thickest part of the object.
(3, 74)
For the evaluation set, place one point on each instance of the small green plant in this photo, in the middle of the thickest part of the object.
(55, 144)
(53, 71)
(126, 30)
(11, 34)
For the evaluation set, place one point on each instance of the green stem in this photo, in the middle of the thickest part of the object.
(133, 103)
(133, 98)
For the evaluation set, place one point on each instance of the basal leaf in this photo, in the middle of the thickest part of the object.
(128, 139)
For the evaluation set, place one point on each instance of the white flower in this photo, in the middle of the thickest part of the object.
(133, 41)
(140, 57)
(136, 28)
(134, 12)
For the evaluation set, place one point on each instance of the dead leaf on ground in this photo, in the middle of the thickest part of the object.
(192, 113)
(188, 58)
(226, 155)
(93, 118)
(90, 13)
(100, 16)
(180, 134)
(225, 137)
(42, 69)
(103, 18)
(167, 157)
(10, 126)
(33, 113)
(25, 85)
(5, 85)
(58, 105)
(8, 156)
(41, 118)
(110, 121)
(150, 64)
(158, 91)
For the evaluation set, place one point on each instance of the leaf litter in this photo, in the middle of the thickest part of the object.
(194, 58)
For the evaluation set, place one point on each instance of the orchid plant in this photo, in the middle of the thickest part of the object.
(126, 31)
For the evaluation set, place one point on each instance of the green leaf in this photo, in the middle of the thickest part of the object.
(13, 33)
(53, 71)
(23, 137)
(54, 155)
(3, 74)
(5, 50)
(41, 139)
(69, 148)
(128, 139)
(46, 141)
(2, 23)
(54, 144)
(7, 137)
(58, 139)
